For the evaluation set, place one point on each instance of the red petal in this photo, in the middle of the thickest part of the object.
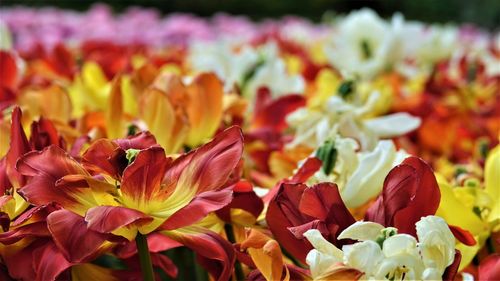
(8, 70)
(49, 262)
(156, 243)
(97, 158)
(451, 271)
(462, 235)
(19, 146)
(209, 166)
(489, 269)
(42, 190)
(246, 199)
(410, 192)
(283, 213)
(142, 179)
(273, 114)
(105, 219)
(211, 246)
(37, 229)
(198, 208)
(43, 134)
(74, 239)
(141, 140)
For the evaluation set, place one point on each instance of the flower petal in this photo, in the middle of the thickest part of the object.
(43, 189)
(107, 219)
(361, 231)
(392, 125)
(141, 180)
(198, 208)
(73, 238)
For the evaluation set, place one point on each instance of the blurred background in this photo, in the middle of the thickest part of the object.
(484, 13)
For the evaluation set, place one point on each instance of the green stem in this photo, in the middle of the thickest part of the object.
(144, 257)
(237, 265)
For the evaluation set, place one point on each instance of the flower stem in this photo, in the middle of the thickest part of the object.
(144, 257)
(237, 266)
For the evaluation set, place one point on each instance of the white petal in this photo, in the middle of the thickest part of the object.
(362, 231)
(363, 256)
(367, 180)
(400, 243)
(321, 244)
(393, 125)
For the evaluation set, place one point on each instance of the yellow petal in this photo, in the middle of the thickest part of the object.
(204, 108)
(492, 183)
(114, 113)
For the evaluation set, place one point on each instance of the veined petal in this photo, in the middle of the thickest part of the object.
(73, 238)
(112, 219)
(141, 182)
(43, 189)
(49, 262)
(198, 208)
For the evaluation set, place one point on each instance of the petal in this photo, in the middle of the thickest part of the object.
(204, 108)
(273, 114)
(463, 235)
(8, 70)
(451, 271)
(114, 114)
(400, 244)
(489, 269)
(324, 202)
(322, 245)
(140, 140)
(19, 146)
(363, 256)
(107, 219)
(97, 158)
(141, 180)
(283, 213)
(170, 126)
(492, 181)
(49, 262)
(367, 180)
(393, 125)
(43, 189)
(209, 245)
(37, 229)
(198, 208)
(265, 254)
(361, 231)
(410, 192)
(73, 238)
(209, 167)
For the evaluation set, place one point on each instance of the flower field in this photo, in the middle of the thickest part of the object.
(136, 146)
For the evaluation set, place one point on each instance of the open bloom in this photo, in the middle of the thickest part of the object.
(365, 44)
(382, 254)
(150, 192)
